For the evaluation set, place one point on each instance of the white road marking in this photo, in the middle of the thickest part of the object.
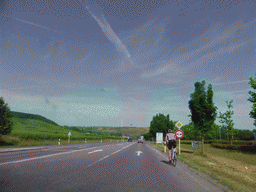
(94, 151)
(138, 153)
(103, 158)
(41, 157)
(96, 161)
(110, 155)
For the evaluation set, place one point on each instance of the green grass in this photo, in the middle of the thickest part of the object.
(235, 169)
(15, 141)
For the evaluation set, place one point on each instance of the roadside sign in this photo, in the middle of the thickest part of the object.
(179, 134)
(179, 125)
(159, 137)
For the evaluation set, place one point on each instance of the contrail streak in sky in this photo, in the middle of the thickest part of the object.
(33, 24)
(112, 36)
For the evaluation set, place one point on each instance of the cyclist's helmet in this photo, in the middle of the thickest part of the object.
(169, 131)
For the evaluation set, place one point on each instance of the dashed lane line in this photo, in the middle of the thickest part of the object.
(95, 162)
(94, 151)
(45, 156)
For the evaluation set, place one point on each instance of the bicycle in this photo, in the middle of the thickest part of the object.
(173, 157)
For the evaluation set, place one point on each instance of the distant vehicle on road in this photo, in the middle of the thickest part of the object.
(130, 139)
(141, 139)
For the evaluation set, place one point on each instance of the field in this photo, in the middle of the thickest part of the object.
(235, 169)
(133, 132)
(32, 129)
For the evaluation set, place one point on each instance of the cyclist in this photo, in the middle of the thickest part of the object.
(171, 140)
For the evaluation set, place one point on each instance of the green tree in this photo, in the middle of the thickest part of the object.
(214, 132)
(159, 123)
(189, 131)
(226, 118)
(203, 112)
(5, 118)
(252, 99)
(223, 132)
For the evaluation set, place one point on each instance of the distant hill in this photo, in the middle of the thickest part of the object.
(31, 116)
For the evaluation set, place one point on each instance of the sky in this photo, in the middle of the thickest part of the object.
(119, 63)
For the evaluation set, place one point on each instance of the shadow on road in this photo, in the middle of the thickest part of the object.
(166, 162)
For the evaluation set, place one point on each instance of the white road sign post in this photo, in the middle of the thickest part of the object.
(69, 134)
(179, 125)
(159, 137)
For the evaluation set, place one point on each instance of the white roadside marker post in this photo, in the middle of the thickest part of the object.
(59, 141)
(85, 140)
(69, 136)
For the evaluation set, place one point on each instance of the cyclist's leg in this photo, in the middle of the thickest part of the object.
(169, 151)
(172, 147)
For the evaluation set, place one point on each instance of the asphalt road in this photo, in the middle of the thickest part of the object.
(122, 166)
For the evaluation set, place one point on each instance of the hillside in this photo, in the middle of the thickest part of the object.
(31, 116)
(30, 126)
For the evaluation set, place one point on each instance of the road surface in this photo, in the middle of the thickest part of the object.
(116, 166)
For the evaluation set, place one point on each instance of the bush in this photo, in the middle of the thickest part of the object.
(225, 146)
(5, 118)
(250, 147)
(237, 145)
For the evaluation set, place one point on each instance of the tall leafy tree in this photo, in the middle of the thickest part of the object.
(226, 118)
(5, 118)
(159, 123)
(203, 111)
(252, 99)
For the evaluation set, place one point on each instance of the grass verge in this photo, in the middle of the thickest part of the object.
(235, 169)
(15, 141)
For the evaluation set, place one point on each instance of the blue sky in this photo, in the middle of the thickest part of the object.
(89, 63)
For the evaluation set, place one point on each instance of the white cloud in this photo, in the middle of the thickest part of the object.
(170, 69)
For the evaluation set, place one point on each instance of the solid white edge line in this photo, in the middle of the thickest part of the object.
(103, 158)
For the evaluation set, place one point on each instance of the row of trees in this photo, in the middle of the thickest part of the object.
(216, 132)
(203, 116)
